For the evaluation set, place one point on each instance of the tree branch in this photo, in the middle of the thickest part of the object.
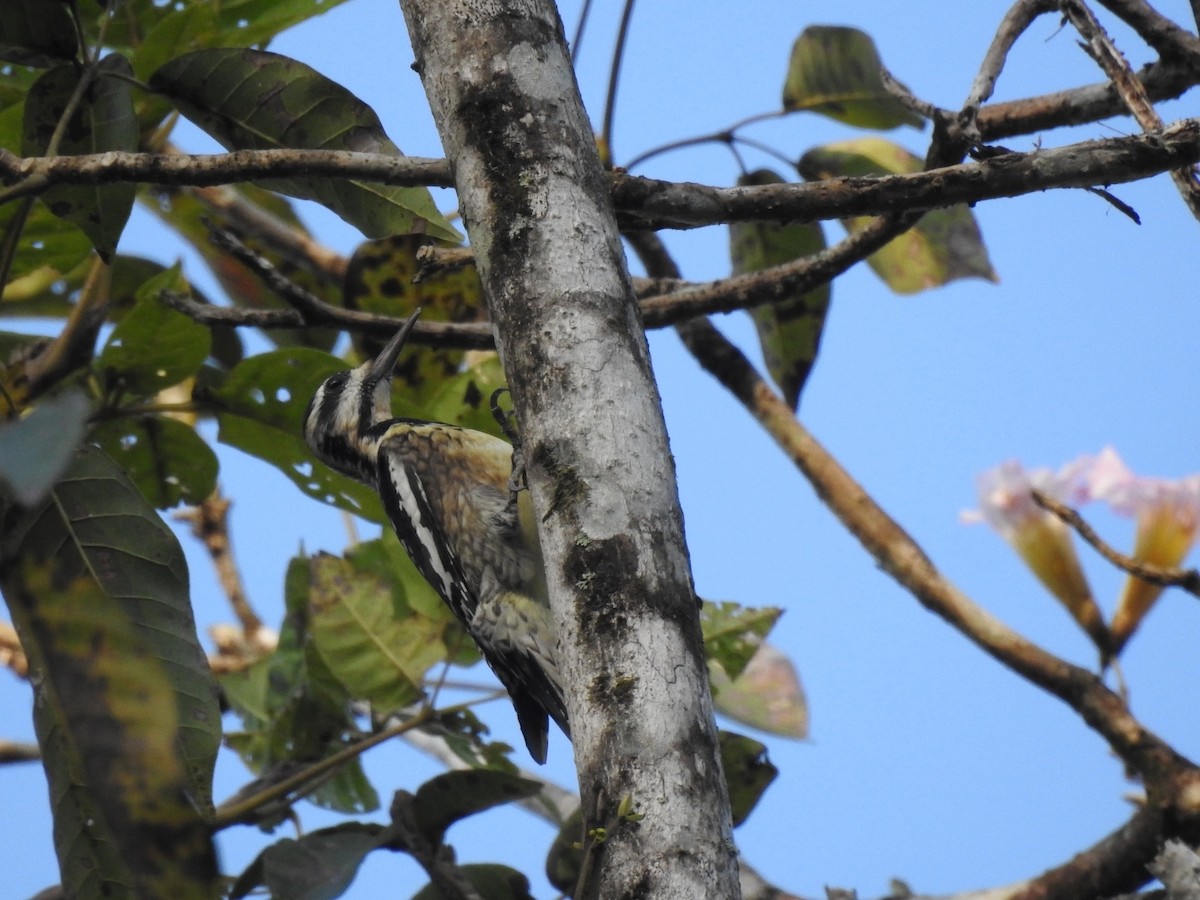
(647, 203)
(1188, 579)
(1132, 93)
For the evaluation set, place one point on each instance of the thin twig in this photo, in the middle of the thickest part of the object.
(1132, 92)
(614, 79)
(12, 654)
(210, 525)
(18, 752)
(1188, 579)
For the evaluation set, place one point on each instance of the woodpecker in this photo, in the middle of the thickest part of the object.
(449, 494)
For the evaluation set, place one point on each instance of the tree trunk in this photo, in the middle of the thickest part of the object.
(602, 479)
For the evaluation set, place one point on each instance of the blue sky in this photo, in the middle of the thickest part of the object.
(927, 761)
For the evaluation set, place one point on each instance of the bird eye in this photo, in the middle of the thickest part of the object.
(336, 382)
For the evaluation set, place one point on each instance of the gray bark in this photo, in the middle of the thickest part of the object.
(535, 202)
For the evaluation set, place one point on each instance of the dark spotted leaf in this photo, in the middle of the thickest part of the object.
(748, 773)
(379, 279)
(943, 246)
(789, 330)
(835, 71)
(251, 99)
(126, 711)
(104, 120)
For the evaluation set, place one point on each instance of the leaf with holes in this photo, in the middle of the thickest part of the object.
(255, 100)
(835, 71)
(104, 120)
(261, 411)
(789, 330)
(154, 347)
(943, 246)
(165, 458)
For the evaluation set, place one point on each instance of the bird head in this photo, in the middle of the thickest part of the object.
(348, 403)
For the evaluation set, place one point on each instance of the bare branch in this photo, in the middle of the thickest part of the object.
(650, 204)
(1012, 26)
(1188, 579)
(35, 174)
(18, 752)
(1168, 39)
(1132, 92)
(210, 525)
(12, 654)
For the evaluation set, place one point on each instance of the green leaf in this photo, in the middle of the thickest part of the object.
(262, 412)
(766, 695)
(251, 99)
(748, 773)
(945, 245)
(490, 880)
(318, 866)
(154, 346)
(733, 633)
(35, 450)
(126, 707)
(104, 120)
(375, 653)
(788, 330)
(451, 796)
(36, 33)
(165, 458)
(294, 712)
(246, 22)
(466, 398)
(835, 71)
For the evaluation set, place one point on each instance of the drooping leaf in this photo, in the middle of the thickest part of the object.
(379, 279)
(377, 650)
(748, 773)
(262, 410)
(127, 710)
(788, 330)
(451, 796)
(165, 458)
(36, 450)
(490, 880)
(154, 346)
(733, 633)
(943, 246)
(104, 120)
(767, 695)
(835, 71)
(251, 99)
(318, 866)
(36, 33)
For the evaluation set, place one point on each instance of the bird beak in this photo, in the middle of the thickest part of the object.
(385, 362)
